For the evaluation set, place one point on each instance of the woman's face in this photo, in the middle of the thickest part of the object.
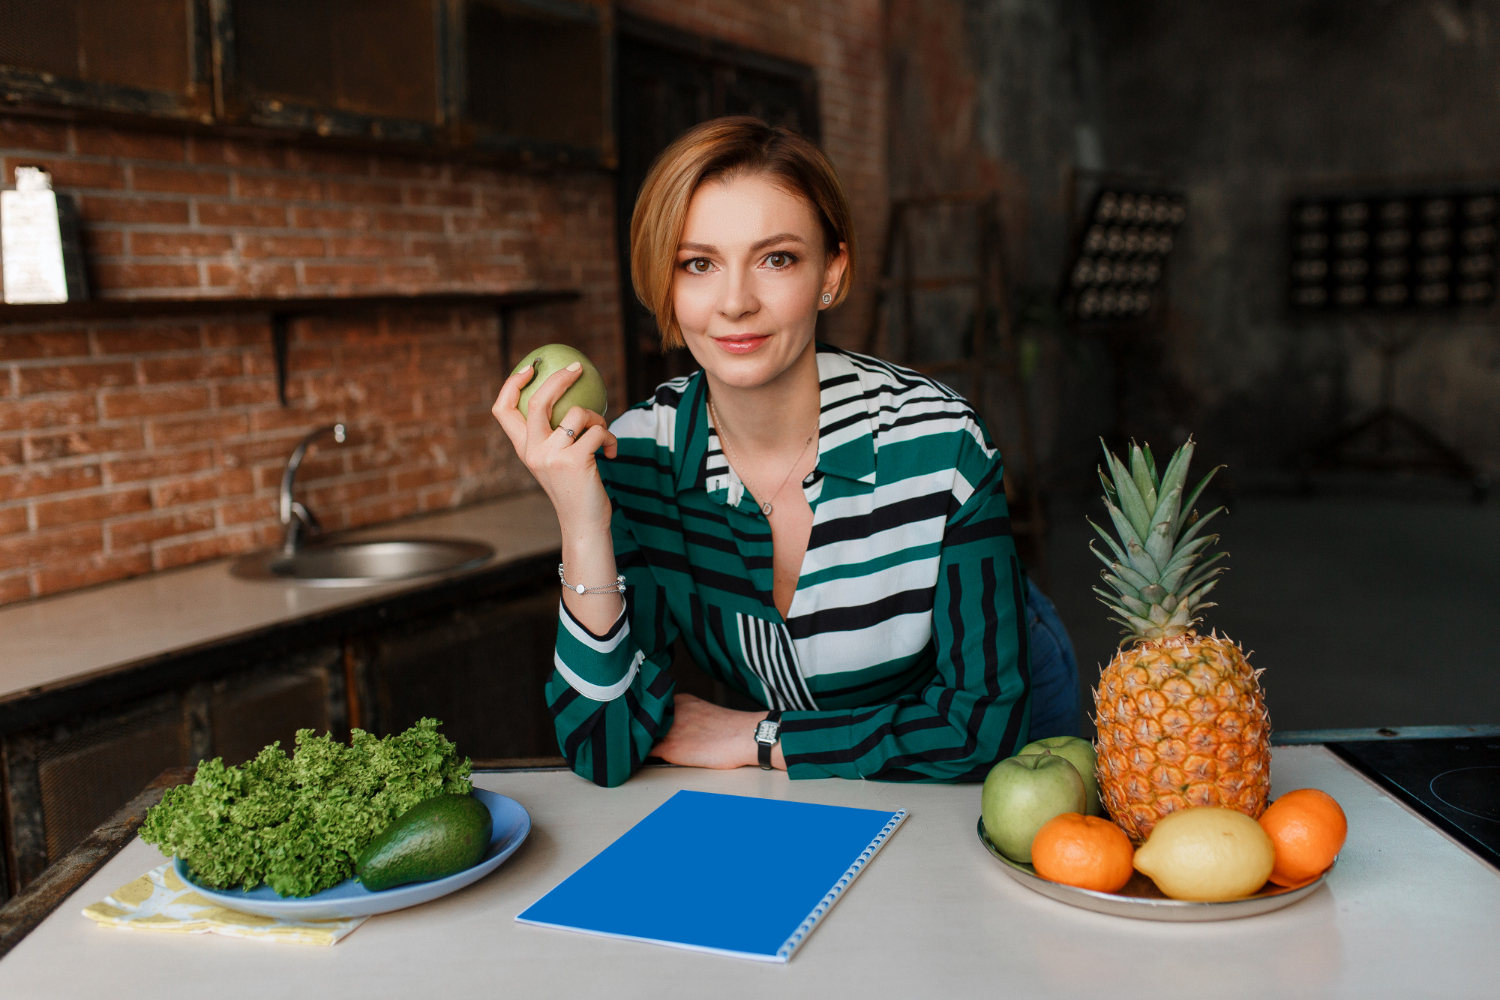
(750, 275)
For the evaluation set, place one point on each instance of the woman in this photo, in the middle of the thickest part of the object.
(826, 532)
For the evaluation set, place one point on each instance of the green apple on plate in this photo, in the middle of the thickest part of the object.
(587, 392)
(1022, 793)
(1080, 753)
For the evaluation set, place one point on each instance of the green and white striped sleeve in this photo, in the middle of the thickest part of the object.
(611, 695)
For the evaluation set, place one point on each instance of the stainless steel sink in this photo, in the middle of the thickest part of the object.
(304, 561)
(358, 564)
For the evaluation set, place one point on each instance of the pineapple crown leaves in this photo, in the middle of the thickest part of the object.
(1157, 576)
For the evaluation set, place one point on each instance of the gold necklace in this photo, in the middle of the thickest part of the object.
(765, 508)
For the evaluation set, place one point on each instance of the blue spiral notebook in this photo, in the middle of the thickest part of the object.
(727, 874)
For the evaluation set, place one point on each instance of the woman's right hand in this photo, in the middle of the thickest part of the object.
(562, 460)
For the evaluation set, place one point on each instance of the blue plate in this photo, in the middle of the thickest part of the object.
(510, 824)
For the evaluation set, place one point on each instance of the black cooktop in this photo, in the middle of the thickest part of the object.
(1455, 783)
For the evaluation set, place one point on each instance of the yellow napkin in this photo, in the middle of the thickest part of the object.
(159, 901)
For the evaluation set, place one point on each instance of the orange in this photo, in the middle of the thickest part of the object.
(1085, 851)
(1307, 828)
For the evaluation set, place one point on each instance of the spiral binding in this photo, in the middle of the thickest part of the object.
(800, 934)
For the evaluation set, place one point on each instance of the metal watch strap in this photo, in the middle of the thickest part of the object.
(763, 747)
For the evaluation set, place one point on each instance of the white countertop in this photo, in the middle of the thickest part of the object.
(57, 639)
(1407, 913)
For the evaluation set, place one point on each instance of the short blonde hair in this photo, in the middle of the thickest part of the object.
(718, 148)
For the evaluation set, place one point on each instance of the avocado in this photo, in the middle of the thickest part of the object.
(435, 838)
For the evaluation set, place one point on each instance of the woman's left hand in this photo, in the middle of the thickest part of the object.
(706, 735)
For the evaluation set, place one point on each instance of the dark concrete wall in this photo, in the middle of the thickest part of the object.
(1243, 103)
(1240, 104)
(994, 95)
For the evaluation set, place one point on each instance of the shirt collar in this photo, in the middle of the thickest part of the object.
(846, 437)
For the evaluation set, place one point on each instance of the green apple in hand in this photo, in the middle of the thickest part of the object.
(1079, 753)
(587, 392)
(1024, 792)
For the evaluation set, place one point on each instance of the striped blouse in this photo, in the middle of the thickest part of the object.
(903, 657)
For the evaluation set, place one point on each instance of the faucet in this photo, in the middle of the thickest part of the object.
(297, 520)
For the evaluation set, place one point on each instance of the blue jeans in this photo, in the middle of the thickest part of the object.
(1054, 670)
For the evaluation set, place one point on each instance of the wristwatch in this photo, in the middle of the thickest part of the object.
(767, 732)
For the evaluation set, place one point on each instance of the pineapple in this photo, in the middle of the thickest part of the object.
(1182, 721)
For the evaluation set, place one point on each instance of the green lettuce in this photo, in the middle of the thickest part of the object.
(298, 823)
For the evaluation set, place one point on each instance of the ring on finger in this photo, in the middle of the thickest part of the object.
(578, 422)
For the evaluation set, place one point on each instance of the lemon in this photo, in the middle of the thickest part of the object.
(1207, 854)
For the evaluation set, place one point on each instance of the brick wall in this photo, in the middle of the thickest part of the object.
(845, 41)
(129, 446)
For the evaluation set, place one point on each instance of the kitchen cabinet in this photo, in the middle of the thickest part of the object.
(347, 67)
(147, 57)
(522, 81)
(479, 668)
(66, 775)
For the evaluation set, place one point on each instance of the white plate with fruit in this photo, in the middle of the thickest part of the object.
(1183, 764)
(1140, 898)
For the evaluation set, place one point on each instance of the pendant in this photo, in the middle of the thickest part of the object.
(765, 509)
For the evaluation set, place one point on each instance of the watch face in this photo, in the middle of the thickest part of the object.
(765, 732)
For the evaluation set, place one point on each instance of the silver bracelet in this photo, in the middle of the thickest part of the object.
(618, 587)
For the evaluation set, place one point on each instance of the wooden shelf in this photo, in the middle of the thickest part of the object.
(281, 311)
(132, 308)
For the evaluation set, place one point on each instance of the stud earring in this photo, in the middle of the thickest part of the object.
(827, 298)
